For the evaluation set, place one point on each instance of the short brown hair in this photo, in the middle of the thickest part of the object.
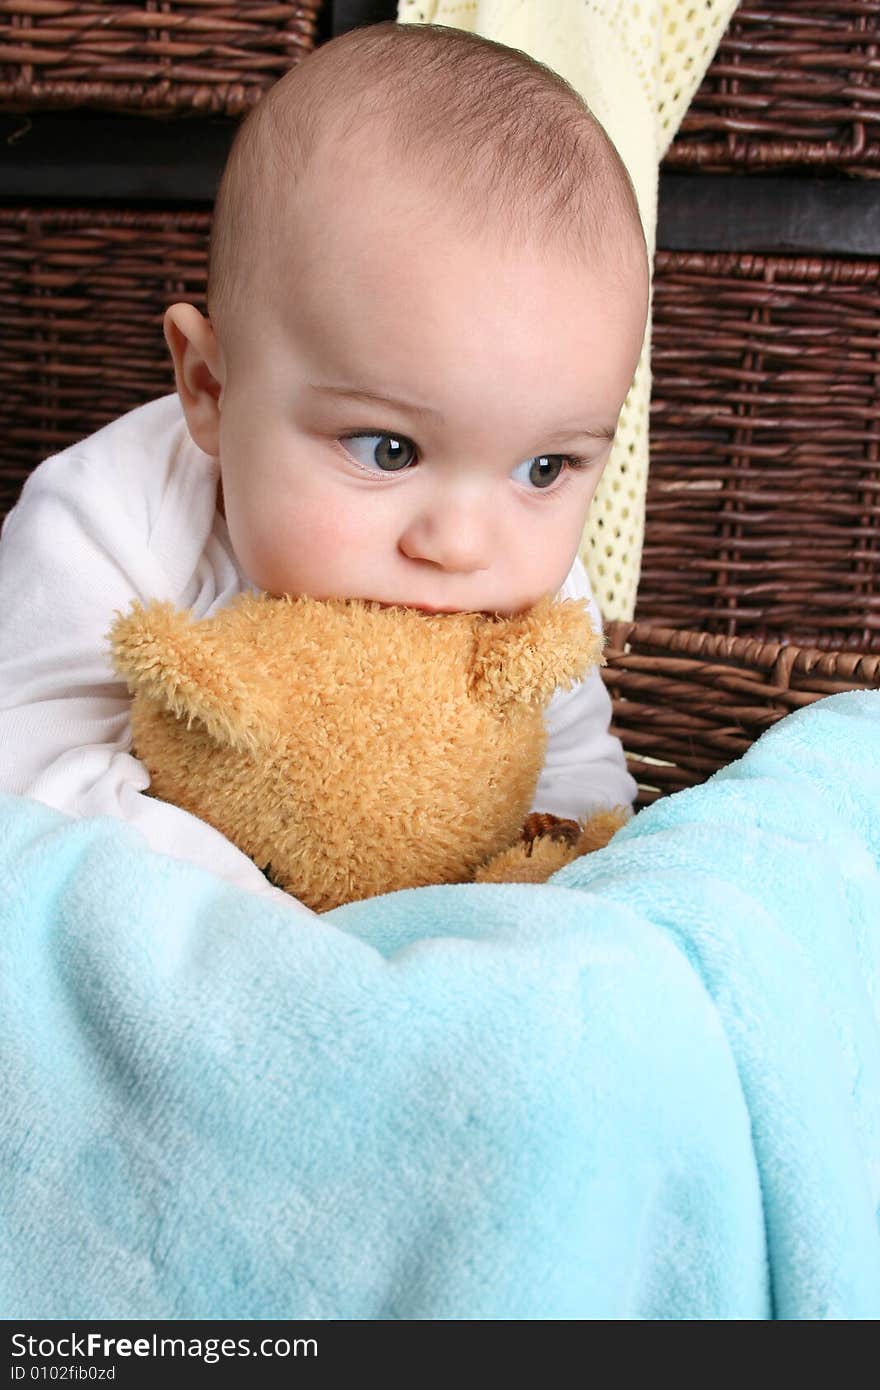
(494, 137)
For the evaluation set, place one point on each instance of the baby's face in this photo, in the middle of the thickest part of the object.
(397, 425)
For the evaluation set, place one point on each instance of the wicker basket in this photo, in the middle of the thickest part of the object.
(82, 295)
(686, 703)
(763, 508)
(157, 58)
(790, 85)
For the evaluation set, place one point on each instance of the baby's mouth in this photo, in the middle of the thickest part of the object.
(418, 607)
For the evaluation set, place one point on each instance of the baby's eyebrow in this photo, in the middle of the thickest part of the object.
(358, 393)
(583, 432)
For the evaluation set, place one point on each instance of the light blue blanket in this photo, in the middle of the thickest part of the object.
(649, 1089)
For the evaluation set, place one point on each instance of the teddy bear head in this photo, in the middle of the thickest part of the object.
(350, 748)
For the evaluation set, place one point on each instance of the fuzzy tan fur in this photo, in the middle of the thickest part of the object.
(352, 749)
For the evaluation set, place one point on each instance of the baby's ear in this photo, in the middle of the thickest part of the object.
(526, 658)
(177, 664)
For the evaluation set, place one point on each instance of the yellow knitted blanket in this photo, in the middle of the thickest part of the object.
(637, 64)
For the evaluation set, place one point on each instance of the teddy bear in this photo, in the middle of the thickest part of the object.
(352, 748)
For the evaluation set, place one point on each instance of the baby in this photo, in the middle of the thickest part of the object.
(427, 297)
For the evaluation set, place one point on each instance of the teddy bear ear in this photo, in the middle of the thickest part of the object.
(526, 658)
(175, 663)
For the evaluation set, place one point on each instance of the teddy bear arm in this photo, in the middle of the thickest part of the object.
(531, 655)
(175, 664)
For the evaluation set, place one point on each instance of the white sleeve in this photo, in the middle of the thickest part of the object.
(584, 768)
(70, 555)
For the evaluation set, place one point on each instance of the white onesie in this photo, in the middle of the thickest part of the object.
(131, 513)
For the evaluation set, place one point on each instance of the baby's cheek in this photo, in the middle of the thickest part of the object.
(296, 548)
(332, 519)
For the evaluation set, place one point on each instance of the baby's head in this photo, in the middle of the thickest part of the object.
(427, 296)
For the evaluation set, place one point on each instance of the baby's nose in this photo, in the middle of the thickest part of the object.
(452, 535)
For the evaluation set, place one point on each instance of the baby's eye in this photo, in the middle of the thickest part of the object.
(392, 453)
(542, 471)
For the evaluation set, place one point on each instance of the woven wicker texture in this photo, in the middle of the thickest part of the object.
(158, 57)
(686, 703)
(763, 512)
(82, 295)
(790, 84)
